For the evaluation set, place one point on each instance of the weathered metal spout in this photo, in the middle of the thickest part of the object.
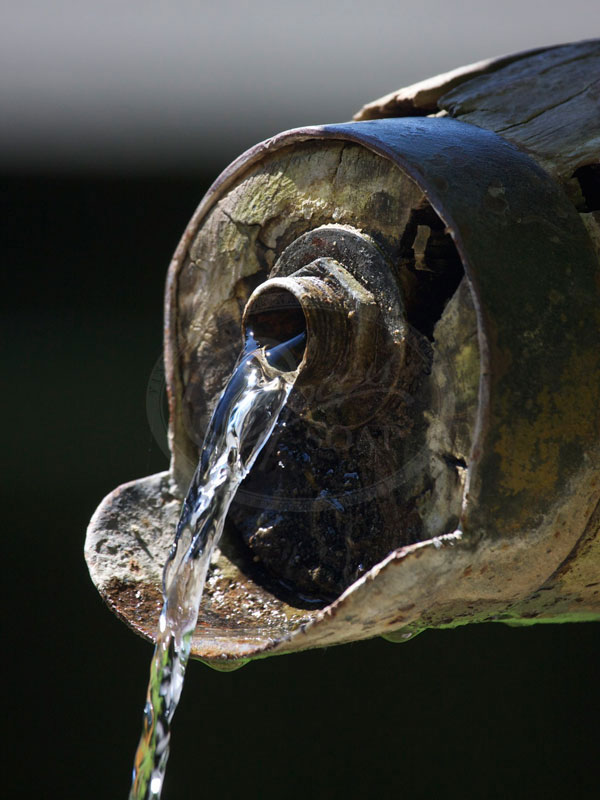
(328, 313)
(438, 463)
(346, 334)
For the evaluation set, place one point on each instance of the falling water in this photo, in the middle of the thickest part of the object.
(241, 424)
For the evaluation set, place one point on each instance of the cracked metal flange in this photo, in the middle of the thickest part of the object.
(526, 545)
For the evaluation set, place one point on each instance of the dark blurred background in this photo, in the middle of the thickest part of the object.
(115, 117)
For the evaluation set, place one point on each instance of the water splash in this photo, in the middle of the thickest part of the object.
(241, 424)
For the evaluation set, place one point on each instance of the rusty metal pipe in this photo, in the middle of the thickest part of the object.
(466, 385)
(338, 313)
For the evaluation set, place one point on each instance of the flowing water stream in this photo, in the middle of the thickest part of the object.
(241, 424)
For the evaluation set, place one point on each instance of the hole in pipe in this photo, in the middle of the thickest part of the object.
(276, 322)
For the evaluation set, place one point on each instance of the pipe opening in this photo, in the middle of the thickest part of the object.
(275, 321)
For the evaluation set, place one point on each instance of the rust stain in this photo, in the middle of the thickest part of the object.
(530, 448)
(138, 604)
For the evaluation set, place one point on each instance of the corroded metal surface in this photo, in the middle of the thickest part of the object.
(546, 101)
(528, 524)
(534, 276)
